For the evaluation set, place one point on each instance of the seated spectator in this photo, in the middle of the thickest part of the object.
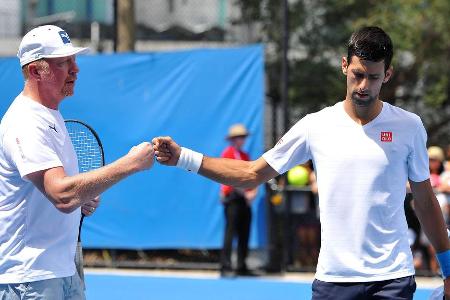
(437, 178)
(436, 164)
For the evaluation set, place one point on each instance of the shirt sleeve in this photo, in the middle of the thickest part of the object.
(31, 149)
(292, 149)
(418, 162)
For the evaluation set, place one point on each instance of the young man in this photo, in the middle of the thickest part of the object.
(364, 251)
(41, 191)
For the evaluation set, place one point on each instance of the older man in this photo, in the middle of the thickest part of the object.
(41, 191)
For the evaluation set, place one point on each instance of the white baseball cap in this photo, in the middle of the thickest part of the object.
(46, 42)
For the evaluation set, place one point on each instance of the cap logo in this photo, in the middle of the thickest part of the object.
(65, 37)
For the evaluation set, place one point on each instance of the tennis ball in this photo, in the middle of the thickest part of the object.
(298, 176)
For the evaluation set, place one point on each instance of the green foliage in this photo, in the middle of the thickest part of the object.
(420, 30)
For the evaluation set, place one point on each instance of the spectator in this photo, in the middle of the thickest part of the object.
(237, 208)
(437, 174)
(436, 158)
(447, 158)
(444, 187)
(436, 165)
(304, 207)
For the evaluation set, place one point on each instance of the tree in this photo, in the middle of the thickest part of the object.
(318, 34)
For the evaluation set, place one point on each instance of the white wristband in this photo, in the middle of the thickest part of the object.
(190, 160)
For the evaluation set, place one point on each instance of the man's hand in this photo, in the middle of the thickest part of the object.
(141, 156)
(89, 207)
(166, 150)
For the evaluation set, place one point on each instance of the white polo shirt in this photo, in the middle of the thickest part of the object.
(37, 241)
(361, 175)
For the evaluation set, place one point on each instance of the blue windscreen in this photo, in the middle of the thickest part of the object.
(193, 96)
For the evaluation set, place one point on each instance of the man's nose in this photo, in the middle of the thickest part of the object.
(364, 84)
(74, 68)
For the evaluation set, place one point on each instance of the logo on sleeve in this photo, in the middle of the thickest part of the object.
(54, 127)
(386, 136)
(19, 146)
(280, 142)
(64, 36)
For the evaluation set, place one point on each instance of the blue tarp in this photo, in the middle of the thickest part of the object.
(193, 96)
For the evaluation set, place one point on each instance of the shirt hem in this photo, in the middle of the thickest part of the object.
(14, 278)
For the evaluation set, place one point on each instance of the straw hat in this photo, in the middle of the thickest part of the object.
(237, 130)
(435, 152)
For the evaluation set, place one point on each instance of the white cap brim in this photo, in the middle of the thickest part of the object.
(61, 52)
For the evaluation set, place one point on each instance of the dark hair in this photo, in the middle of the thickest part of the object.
(372, 44)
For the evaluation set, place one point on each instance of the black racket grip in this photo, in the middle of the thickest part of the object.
(79, 227)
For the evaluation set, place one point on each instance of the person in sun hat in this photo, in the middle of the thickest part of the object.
(237, 208)
(42, 195)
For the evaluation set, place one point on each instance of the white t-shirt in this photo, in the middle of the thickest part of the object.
(361, 175)
(37, 241)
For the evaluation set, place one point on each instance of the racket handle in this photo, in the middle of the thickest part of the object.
(79, 263)
(79, 227)
(79, 254)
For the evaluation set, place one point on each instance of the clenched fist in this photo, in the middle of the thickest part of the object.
(167, 152)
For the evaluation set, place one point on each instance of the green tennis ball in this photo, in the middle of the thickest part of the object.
(298, 176)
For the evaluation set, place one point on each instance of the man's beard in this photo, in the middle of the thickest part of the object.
(67, 91)
(362, 103)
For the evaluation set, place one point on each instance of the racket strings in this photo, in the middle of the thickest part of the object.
(86, 146)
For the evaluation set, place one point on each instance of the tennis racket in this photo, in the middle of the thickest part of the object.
(89, 150)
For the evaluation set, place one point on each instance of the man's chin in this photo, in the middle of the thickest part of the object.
(362, 103)
(67, 93)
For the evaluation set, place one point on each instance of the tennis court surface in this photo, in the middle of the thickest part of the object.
(165, 285)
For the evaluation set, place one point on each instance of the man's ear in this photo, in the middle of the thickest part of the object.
(33, 71)
(344, 65)
(388, 74)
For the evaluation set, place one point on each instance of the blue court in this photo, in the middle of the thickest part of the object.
(119, 286)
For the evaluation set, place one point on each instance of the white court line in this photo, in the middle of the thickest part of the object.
(422, 282)
(300, 278)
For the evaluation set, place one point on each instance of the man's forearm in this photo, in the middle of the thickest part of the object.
(227, 171)
(70, 192)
